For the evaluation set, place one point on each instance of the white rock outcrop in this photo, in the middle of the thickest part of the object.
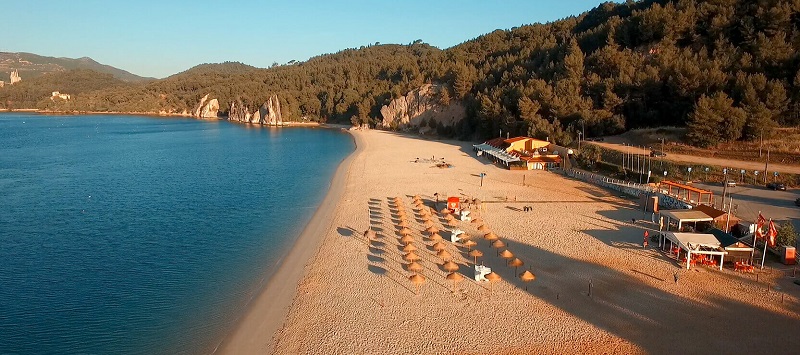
(15, 78)
(207, 108)
(420, 106)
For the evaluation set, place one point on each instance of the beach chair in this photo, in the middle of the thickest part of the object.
(481, 272)
(454, 235)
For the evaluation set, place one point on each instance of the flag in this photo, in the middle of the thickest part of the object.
(771, 233)
(759, 224)
(646, 234)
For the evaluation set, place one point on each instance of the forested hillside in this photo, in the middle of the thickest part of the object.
(725, 69)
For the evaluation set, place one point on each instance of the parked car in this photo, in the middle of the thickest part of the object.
(657, 154)
(776, 186)
(730, 183)
(797, 202)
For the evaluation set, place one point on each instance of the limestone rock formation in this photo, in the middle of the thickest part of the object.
(239, 112)
(207, 108)
(268, 114)
(15, 78)
(421, 106)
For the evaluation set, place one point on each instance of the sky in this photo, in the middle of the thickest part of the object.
(161, 38)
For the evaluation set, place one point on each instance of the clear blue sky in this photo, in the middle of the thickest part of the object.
(161, 38)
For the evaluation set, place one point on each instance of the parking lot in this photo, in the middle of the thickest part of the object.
(748, 200)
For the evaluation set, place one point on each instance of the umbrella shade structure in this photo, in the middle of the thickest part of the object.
(526, 277)
(498, 244)
(505, 254)
(432, 230)
(405, 231)
(428, 224)
(411, 256)
(444, 255)
(452, 223)
(477, 221)
(416, 197)
(469, 244)
(417, 280)
(402, 223)
(475, 254)
(516, 263)
(491, 237)
(450, 266)
(414, 267)
(455, 277)
(449, 217)
(435, 237)
(446, 211)
(407, 239)
(439, 246)
(483, 228)
(492, 277)
(409, 247)
(370, 234)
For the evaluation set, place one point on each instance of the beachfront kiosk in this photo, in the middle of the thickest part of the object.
(693, 247)
(677, 220)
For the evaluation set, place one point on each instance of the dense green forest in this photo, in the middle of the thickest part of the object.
(725, 69)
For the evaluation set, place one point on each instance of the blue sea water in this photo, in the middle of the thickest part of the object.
(143, 235)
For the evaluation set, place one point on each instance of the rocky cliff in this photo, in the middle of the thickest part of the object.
(419, 107)
(15, 78)
(267, 114)
(207, 108)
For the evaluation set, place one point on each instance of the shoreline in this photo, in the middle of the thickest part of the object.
(254, 332)
(156, 114)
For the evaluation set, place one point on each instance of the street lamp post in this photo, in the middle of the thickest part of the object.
(755, 177)
(742, 179)
(579, 139)
(689, 175)
(706, 174)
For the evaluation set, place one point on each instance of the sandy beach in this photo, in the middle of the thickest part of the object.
(597, 290)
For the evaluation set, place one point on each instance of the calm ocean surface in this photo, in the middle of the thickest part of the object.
(137, 235)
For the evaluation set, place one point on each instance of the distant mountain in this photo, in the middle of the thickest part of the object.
(31, 65)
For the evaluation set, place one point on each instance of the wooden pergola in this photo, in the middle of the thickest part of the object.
(694, 243)
(687, 192)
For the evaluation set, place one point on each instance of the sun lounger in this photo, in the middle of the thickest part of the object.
(481, 272)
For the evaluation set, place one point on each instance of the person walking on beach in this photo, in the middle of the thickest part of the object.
(676, 277)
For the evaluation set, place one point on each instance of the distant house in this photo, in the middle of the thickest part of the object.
(519, 153)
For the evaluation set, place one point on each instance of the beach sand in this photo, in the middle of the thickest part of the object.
(339, 293)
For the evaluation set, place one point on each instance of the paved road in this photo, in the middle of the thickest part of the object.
(737, 164)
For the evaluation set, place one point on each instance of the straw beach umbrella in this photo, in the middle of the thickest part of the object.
(516, 263)
(409, 247)
(506, 255)
(455, 277)
(469, 244)
(417, 280)
(444, 255)
(497, 244)
(407, 239)
(414, 267)
(405, 231)
(432, 230)
(475, 254)
(402, 223)
(411, 256)
(483, 228)
(450, 266)
(435, 237)
(490, 236)
(452, 223)
(449, 217)
(492, 277)
(439, 246)
(428, 224)
(446, 211)
(477, 221)
(526, 277)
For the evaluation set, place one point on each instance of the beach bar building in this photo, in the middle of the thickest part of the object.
(519, 153)
(678, 220)
(688, 246)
